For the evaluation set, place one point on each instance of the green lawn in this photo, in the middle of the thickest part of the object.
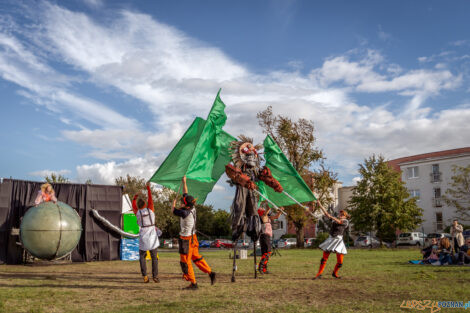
(373, 281)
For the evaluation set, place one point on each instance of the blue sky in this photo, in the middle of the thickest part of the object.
(96, 89)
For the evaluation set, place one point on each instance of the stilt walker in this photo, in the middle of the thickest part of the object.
(244, 173)
(334, 243)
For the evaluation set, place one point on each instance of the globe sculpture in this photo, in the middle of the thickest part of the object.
(50, 230)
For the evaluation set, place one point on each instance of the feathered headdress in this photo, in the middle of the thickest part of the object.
(237, 156)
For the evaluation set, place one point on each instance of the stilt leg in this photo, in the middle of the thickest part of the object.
(254, 256)
(234, 262)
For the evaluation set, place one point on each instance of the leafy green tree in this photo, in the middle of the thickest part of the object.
(381, 202)
(56, 178)
(296, 139)
(458, 195)
(221, 226)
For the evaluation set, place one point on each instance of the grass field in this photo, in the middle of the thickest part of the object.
(373, 281)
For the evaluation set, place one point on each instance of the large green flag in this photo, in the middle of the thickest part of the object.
(286, 174)
(201, 155)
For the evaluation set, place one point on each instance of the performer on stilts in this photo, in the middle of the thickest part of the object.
(148, 239)
(334, 243)
(266, 235)
(244, 172)
(188, 243)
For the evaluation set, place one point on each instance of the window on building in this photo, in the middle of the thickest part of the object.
(437, 193)
(282, 225)
(413, 172)
(435, 174)
(414, 193)
(439, 221)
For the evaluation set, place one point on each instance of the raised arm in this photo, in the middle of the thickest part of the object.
(150, 201)
(337, 220)
(134, 204)
(276, 216)
(185, 187)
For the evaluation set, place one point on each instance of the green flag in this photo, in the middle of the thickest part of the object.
(201, 155)
(286, 174)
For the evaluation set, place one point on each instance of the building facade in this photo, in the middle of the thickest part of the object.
(427, 177)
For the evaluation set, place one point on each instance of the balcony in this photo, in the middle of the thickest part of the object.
(437, 202)
(438, 226)
(436, 177)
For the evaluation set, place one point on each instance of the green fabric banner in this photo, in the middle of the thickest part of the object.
(201, 155)
(286, 174)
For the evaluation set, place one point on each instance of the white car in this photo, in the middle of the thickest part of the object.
(244, 243)
(430, 236)
(308, 242)
(412, 239)
(367, 241)
(167, 243)
(287, 243)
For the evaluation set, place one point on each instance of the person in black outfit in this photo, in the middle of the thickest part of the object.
(464, 253)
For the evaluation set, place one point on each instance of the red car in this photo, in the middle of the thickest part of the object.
(222, 243)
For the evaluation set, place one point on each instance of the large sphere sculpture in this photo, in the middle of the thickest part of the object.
(50, 230)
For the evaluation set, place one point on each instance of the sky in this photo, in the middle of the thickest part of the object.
(96, 89)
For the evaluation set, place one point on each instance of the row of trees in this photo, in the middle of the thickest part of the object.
(380, 201)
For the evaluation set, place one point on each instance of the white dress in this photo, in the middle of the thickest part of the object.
(148, 239)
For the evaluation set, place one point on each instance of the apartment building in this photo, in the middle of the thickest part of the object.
(427, 177)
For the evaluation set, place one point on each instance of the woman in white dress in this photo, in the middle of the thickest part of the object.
(334, 243)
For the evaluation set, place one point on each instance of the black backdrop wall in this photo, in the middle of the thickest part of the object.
(96, 243)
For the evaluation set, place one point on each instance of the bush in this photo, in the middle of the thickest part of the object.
(288, 236)
(320, 238)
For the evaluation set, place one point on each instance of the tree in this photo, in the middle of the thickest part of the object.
(381, 202)
(297, 141)
(56, 178)
(458, 195)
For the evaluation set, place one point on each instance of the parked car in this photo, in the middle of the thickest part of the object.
(466, 233)
(167, 243)
(205, 244)
(367, 241)
(430, 236)
(244, 243)
(308, 242)
(222, 243)
(287, 243)
(412, 239)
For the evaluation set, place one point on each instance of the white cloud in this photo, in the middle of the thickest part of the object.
(176, 78)
(106, 173)
(44, 173)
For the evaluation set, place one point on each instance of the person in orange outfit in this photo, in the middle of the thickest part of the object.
(334, 243)
(188, 244)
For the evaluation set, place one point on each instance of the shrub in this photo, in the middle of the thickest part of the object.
(320, 238)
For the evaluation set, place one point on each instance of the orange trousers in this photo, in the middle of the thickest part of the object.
(189, 251)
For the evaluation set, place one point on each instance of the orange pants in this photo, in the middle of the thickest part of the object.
(189, 251)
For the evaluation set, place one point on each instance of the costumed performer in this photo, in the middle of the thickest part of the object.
(148, 238)
(188, 243)
(334, 243)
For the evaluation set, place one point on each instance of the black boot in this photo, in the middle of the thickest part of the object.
(191, 287)
(212, 277)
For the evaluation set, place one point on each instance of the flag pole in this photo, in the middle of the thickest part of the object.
(303, 206)
(272, 203)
